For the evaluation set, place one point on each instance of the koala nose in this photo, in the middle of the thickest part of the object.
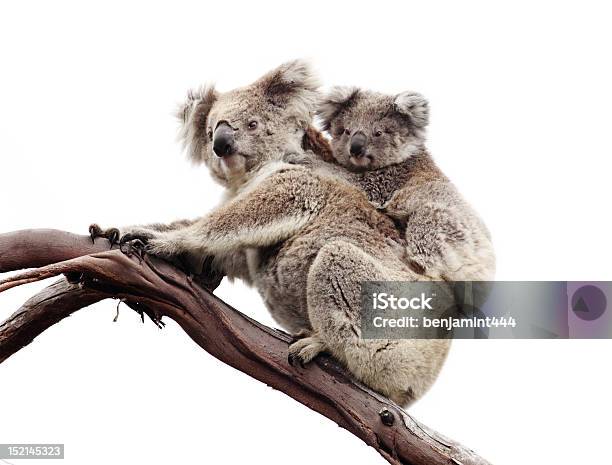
(223, 141)
(358, 144)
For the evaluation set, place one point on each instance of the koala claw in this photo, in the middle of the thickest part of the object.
(294, 360)
(94, 231)
(112, 234)
(304, 350)
(131, 244)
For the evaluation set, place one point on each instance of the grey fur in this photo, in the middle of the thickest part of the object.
(445, 238)
(308, 238)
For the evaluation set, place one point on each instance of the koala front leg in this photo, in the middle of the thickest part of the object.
(143, 232)
(263, 215)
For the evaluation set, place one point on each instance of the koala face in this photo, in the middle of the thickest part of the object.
(236, 132)
(371, 130)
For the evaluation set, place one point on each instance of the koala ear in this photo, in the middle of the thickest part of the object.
(414, 106)
(293, 86)
(337, 99)
(193, 116)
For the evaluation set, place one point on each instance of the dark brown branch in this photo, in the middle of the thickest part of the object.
(42, 311)
(159, 289)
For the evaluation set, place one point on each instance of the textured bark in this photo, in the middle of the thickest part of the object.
(159, 289)
(32, 248)
(42, 311)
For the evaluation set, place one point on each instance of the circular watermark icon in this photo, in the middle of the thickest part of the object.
(589, 303)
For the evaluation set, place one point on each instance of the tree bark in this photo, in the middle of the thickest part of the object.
(157, 289)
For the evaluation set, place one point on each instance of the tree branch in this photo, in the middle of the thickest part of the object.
(42, 311)
(31, 248)
(158, 289)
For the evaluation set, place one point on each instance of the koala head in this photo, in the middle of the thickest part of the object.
(234, 133)
(370, 130)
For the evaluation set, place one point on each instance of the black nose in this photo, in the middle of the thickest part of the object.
(358, 144)
(223, 142)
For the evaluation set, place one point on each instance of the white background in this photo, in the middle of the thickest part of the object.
(520, 97)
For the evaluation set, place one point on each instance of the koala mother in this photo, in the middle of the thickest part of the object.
(304, 239)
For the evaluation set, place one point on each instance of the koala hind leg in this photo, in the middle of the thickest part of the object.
(400, 369)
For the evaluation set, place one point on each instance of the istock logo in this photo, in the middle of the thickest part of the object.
(384, 301)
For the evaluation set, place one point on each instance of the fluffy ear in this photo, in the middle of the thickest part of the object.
(337, 99)
(293, 86)
(414, 106)
(193, 115)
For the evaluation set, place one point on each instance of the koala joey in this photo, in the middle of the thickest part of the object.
(380, 140)
(305, 240)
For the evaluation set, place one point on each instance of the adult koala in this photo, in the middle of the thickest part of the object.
(305, 239)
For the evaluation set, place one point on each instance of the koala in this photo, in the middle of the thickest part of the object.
(306, 240)
(379, 140)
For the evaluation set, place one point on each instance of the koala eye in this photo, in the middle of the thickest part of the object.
(347, 132)
(210, 134)
(378, 133)
(252, 125)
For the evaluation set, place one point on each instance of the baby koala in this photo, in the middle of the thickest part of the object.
(380, 142)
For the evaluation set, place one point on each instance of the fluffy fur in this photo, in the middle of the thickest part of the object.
(281, 103)
(306, 239)
(445, 239)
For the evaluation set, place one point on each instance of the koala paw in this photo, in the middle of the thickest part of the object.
(135, 243)
(304, 350)
(134, 247)
(112, 234)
